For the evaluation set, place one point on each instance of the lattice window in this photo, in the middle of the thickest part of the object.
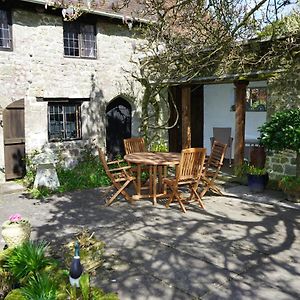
(256, 99)
(64, 121)
(5, 30)
(80, 40)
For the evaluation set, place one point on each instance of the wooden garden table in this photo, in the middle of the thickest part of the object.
(158, 163)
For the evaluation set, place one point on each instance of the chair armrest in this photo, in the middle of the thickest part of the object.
(116, 162)
(120, 169)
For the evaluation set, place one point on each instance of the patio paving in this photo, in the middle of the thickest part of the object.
(242, 246)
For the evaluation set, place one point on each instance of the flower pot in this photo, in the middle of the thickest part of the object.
(257, 183)
(15, 234)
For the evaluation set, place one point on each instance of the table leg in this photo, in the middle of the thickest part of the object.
(165, 176)
(154, 184)
(150, 180)
(138, 179)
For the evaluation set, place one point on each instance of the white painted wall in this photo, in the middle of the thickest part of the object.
(218, 99)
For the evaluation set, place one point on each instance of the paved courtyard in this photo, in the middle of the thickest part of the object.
(240, 247)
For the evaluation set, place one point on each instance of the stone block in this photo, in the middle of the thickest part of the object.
(46, 176)
(284, 160)
(290, 170)
(277, 168)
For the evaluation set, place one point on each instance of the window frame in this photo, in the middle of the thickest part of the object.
(9, 24)
(78, 121)
(78, 30)
(249, 107)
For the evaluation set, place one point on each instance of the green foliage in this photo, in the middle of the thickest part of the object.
(40, 287)
(159, 146)
(255, 170)
(241, 170)
(85, 286)
(282, 131)
(288, 25)
(28, 180)
(87, 174)
(26, 259)
(15, 295)
(290, 183)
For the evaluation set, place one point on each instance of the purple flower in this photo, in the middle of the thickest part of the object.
(15, 218)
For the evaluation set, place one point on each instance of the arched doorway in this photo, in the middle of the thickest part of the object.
(14, 140)
(118, 126)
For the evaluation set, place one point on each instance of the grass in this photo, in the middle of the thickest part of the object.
(87, 174)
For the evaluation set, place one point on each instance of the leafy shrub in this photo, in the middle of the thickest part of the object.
(28, 258)
(290, 183)
(43, 279)
(87, 174)
(252, 170)
(40, 287)
(282, 132)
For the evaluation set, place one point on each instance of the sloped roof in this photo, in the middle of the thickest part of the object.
(118, 9)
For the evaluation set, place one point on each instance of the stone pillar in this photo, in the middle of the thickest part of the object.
(186, 117)
(240, 113)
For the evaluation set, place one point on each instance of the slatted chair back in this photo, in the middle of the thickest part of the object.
(213, 167)
(119, 176)
(223, 135)
(191, 164)
(188, 173)
(134, 144)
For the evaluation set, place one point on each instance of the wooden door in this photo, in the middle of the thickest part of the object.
(118, 126)
(14, 140)
(197, 118)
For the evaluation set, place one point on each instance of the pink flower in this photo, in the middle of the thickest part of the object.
(15, 218)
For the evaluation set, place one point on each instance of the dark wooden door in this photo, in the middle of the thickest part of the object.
(197, 115)
(14, 140)
(197, 118)
(118, 126)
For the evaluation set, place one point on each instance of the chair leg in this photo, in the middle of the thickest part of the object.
(194, 191)
(120, 191)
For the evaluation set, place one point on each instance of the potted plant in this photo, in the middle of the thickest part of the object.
(291, 186)
(16, 230)
(257, 178)
(282, 132)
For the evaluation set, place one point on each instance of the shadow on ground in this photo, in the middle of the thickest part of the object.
(235, 249)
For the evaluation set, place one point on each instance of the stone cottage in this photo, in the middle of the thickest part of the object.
(63, 84)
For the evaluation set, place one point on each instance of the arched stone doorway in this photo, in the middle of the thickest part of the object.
(118, 126)
(14, 140)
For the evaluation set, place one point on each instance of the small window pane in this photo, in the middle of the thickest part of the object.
(88, 41)
(5, 30)
(63, 121)
(71, 39)
(79, 40)
(256, 99)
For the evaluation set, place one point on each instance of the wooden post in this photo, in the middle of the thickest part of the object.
(240, 113)
(186, 117)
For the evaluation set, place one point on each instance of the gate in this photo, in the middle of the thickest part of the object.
(118, 126)
(14, 140)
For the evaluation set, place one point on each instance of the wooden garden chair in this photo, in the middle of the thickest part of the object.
(188, 174)
(134, 144)
(119, 176)
(212, 168)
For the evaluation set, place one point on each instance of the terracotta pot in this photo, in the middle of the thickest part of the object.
(258, 156)
(14, 234)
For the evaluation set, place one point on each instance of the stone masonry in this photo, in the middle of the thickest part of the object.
(37, 69)
(281, 163)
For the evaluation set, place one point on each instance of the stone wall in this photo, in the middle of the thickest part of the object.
(37, 69)
(281, 163)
